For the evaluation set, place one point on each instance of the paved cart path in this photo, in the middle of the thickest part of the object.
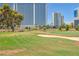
(57, 36)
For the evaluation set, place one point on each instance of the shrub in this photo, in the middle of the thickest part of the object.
(47, 26)
(26, 27)
(67, 27)
(60, 28)
(44, 28)
(77, 28)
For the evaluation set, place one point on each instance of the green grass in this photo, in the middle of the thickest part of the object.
(65, 33)
(35, 45)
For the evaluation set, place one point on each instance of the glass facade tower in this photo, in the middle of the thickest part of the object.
(76, 17)
(40, 14)
(58, 19)
(34, 14)
(27, 10)
(76, 13)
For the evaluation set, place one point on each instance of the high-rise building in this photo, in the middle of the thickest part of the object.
(34, 13)
(62, 20)
(58, 19)
(76, 22)
(76, 13)
(76, 17)
(27, 10)
(40, 14)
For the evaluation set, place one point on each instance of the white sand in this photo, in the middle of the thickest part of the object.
(56, 36)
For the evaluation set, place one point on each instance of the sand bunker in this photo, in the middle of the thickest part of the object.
(56, 36)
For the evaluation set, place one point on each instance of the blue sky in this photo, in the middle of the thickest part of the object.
(66, 9)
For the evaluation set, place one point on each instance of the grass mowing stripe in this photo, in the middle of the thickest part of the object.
(18, 42)
(21, 41)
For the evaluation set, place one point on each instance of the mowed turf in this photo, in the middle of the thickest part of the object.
(35, 45)
(65, 33)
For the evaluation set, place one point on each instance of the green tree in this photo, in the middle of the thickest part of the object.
(47, 26)
(77, 28)
(60, 28)
(67, 27)
(9, 17)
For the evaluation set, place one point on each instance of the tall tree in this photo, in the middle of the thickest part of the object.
(9, 17)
